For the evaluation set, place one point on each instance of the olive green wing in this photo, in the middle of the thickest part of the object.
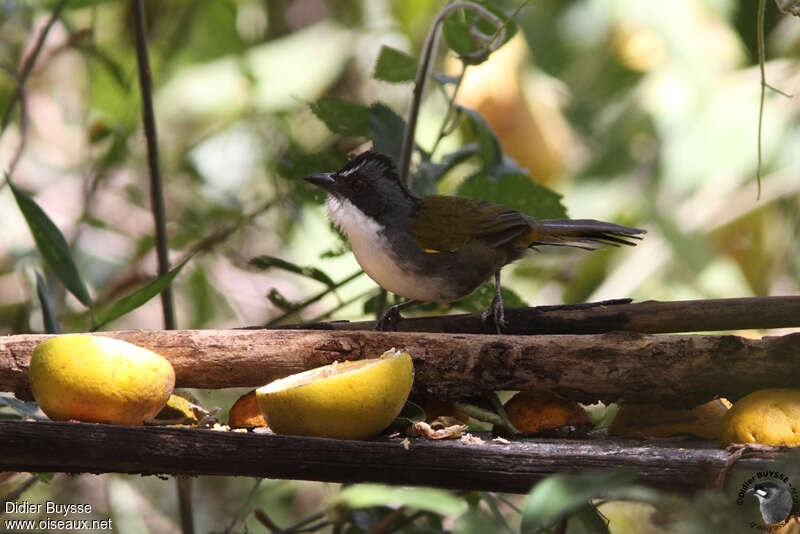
(447, 223)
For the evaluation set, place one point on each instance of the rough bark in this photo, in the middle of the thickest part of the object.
(650, 317)
(676, 370)
(492, 466)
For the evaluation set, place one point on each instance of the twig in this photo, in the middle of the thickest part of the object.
(265, 520)
(311, 300)
(29, 62)
(343, 304)
(156, 183)
(244, 507)
(764, 85)
(185, 503)
(159, 216)
(383, 525)
(448, 116)
(22, 488)
(424, 70)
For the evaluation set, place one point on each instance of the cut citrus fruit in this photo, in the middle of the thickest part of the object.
(245, 412)
(347, 400)
(99, 379)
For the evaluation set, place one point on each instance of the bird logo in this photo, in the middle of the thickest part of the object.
(774, 501)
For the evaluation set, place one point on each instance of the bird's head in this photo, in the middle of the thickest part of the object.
(764, 491)
(370, 183)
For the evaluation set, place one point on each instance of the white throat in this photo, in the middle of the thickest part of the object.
(374, 252)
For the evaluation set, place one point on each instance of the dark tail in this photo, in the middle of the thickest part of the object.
(586, 233)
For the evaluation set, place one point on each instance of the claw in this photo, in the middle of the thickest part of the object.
(391, 318)
(496, 311)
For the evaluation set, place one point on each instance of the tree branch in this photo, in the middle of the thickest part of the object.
(493, 466)
(649, 317)
(674, 370)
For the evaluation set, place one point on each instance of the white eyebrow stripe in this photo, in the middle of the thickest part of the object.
(348, 172)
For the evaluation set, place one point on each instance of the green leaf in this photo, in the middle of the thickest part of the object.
(279, 301)
(480, 299)
(488, 146)
(48, 317)
(268, 262)
(430, 173)
(517, 191)
(387, 130)
(474, 521)
(343, 117)
(44, 477)
(395, 66)
(588, 519)
(410, 414)
(138, 298)
(52, 245)
(458, 32)
(428, 499)
(558, 495)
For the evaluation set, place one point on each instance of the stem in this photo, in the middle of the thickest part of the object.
(311, 300)
(501, 411)
(762, 5)
(341, 305)
(760, 38)
(245, 507)
(448, 117)
(29, 62)
(156, 183)
(424, 70)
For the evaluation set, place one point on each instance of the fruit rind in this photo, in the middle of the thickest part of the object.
(766, 416)
(348, 400)
(99, 379)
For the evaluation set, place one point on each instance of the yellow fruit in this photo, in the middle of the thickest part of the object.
(349, 400)
(532, 412)
(245, 412)
(652, 420)
(766, 416)
(99, 379)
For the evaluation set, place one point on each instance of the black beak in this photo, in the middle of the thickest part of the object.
(324, 180)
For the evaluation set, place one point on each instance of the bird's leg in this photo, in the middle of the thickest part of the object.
(392, 316)
(495, 310)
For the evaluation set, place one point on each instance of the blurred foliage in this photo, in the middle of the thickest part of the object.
(643, 113)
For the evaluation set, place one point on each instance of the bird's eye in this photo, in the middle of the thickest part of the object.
(357, 186)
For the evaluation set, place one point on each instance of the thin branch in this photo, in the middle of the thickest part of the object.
(449, 115)
(423, 71)
(311, 300)
(764, 85)
(29, 62)
(244, 508)
(382, 527)
(22, 488)
(156, 183)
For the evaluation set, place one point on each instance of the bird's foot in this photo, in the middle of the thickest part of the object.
(389, 321)
(496, 313)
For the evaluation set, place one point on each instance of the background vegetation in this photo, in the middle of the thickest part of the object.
(644, 113)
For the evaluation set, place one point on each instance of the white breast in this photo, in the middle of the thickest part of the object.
(374, 253)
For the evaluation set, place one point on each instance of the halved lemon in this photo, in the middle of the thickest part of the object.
(347, 400)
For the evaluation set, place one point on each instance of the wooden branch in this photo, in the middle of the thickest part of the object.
(492, 466)
(676, 370)
(650, 317)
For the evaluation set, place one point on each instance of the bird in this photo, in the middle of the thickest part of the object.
(774, 501)
(440, 248)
